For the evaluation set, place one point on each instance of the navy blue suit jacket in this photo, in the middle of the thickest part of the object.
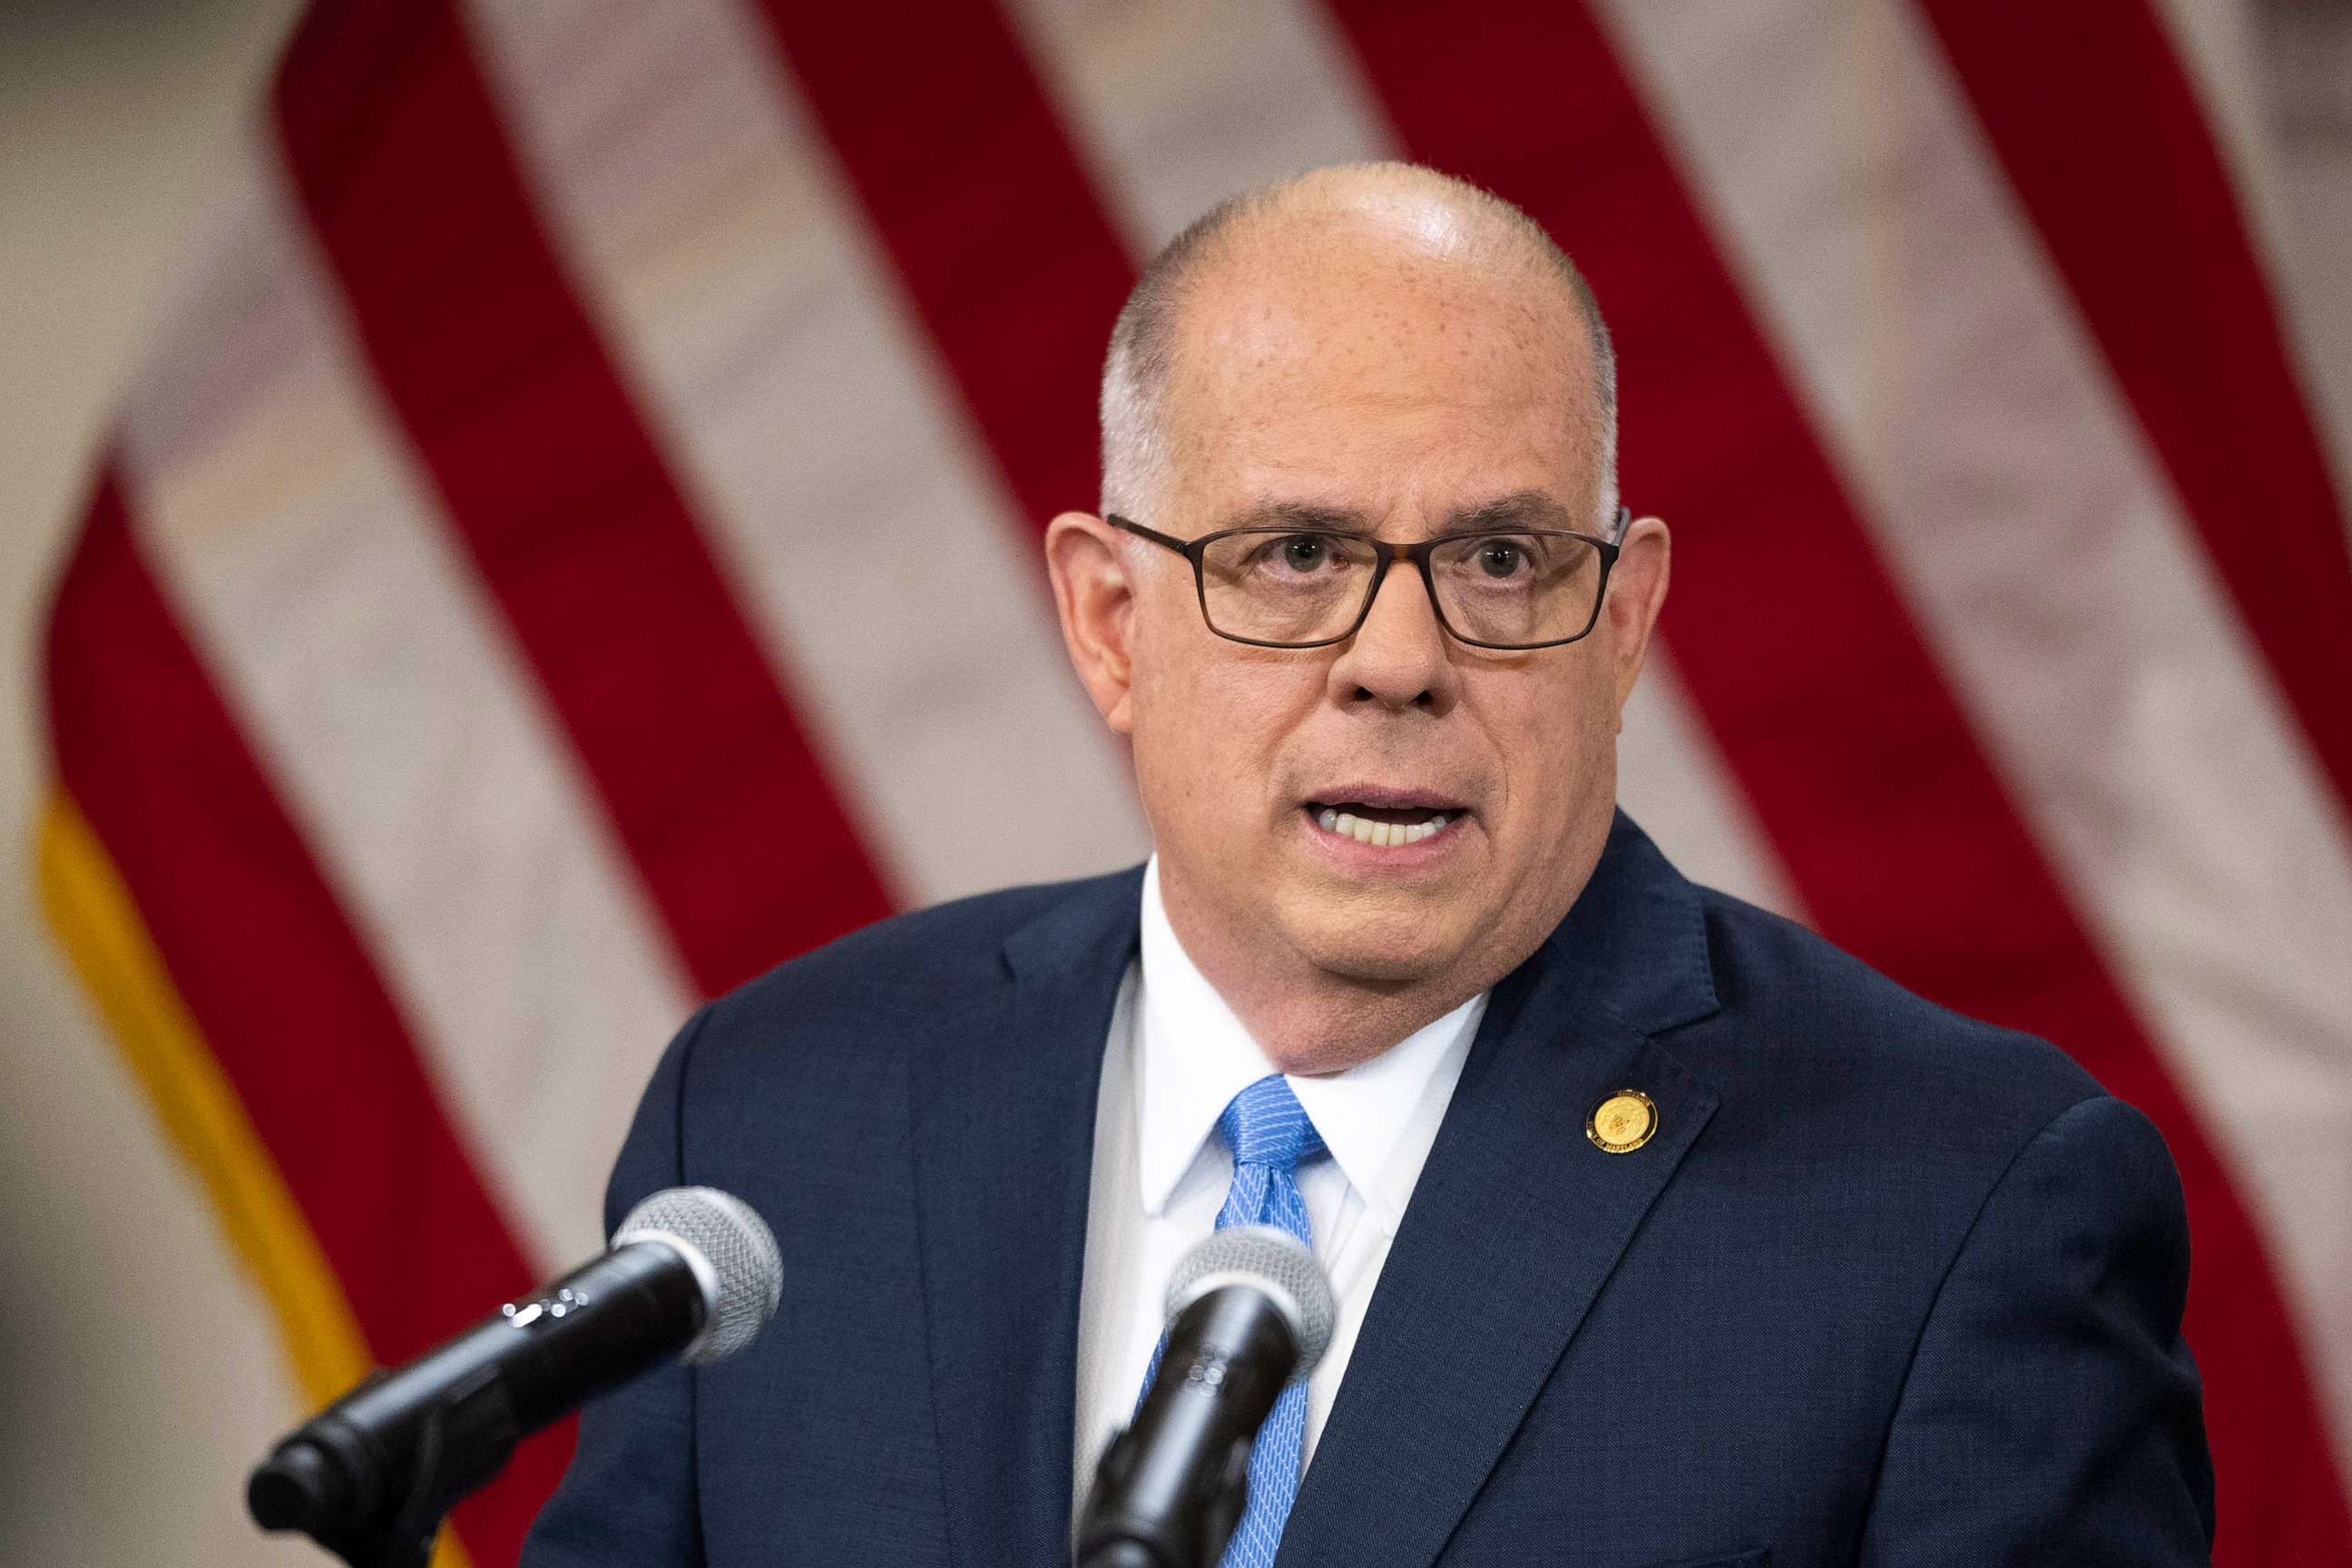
(1886, 1286)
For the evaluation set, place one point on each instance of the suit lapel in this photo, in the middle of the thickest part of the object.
(1003, 1118)
(1518, 1218)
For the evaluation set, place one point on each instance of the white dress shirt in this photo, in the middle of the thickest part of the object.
(1175, 1057)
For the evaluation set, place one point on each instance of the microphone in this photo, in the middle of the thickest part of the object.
(1248, 1310)
(692, 1272)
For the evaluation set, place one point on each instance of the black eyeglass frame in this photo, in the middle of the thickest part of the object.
(1418, 553)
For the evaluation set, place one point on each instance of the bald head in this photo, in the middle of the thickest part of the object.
(1322, 232)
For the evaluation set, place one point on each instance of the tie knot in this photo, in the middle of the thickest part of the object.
(1266, 1125)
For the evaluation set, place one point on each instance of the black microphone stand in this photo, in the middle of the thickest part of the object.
(467, 1437)
(1218, 1513)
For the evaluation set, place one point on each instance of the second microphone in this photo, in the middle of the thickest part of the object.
(1248, 1310)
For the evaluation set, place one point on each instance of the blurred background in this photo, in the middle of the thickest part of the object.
(516, 515)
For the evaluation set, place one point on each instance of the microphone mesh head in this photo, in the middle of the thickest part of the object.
(740, 1252)
(1270, 1260)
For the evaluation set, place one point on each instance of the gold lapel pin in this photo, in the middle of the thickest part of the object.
(1623, 1123)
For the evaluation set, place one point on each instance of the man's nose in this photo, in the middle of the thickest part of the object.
(1400, 657)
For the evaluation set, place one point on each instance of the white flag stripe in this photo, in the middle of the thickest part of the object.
(2276, 80)
(1175, 108)
(2222, 45)
(397, 718)
(2219, 45)
(2049, 561)
(1673, 780)
(1272, 92)
(871, 544)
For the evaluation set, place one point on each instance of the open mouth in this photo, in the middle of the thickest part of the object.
(1381, 826)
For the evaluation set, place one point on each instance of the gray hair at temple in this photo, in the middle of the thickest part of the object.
(1142, 341)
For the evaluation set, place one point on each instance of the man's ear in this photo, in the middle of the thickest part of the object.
(1637, 589)
(1085, 558)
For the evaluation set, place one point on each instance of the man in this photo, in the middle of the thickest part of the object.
(1664, 1232)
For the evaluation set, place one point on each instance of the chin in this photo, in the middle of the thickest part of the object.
(1385, 950)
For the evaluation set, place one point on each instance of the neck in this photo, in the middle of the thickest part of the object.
(1308, 1019)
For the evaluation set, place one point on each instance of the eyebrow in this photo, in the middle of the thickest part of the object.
(1527, 508)
(1296, 515)
(1519, 510)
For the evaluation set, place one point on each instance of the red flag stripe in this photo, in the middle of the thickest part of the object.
(550, 480)
(1802, 654)
(276, 979)
(2103, 140)
(943, 131)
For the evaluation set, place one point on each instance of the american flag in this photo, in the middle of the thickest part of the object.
(572, 543)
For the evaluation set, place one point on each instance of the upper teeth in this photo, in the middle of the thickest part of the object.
(1380, 835)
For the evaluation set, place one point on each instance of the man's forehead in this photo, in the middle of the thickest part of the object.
(1341, 265)
(1527, 507)
(1352, 295)
(1371, 345)
(1323, 349)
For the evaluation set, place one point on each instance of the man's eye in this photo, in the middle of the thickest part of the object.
(1502, 557)
(1304, 551)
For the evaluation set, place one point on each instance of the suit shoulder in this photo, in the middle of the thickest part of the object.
(1808, 1007)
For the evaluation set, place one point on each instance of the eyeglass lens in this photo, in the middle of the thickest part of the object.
(1511, 589)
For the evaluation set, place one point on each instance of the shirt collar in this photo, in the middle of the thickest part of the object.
(1194, 1055)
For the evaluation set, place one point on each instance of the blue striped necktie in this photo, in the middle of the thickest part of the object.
(1268, 1133)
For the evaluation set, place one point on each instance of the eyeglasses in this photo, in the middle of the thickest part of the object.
(1311, 587)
